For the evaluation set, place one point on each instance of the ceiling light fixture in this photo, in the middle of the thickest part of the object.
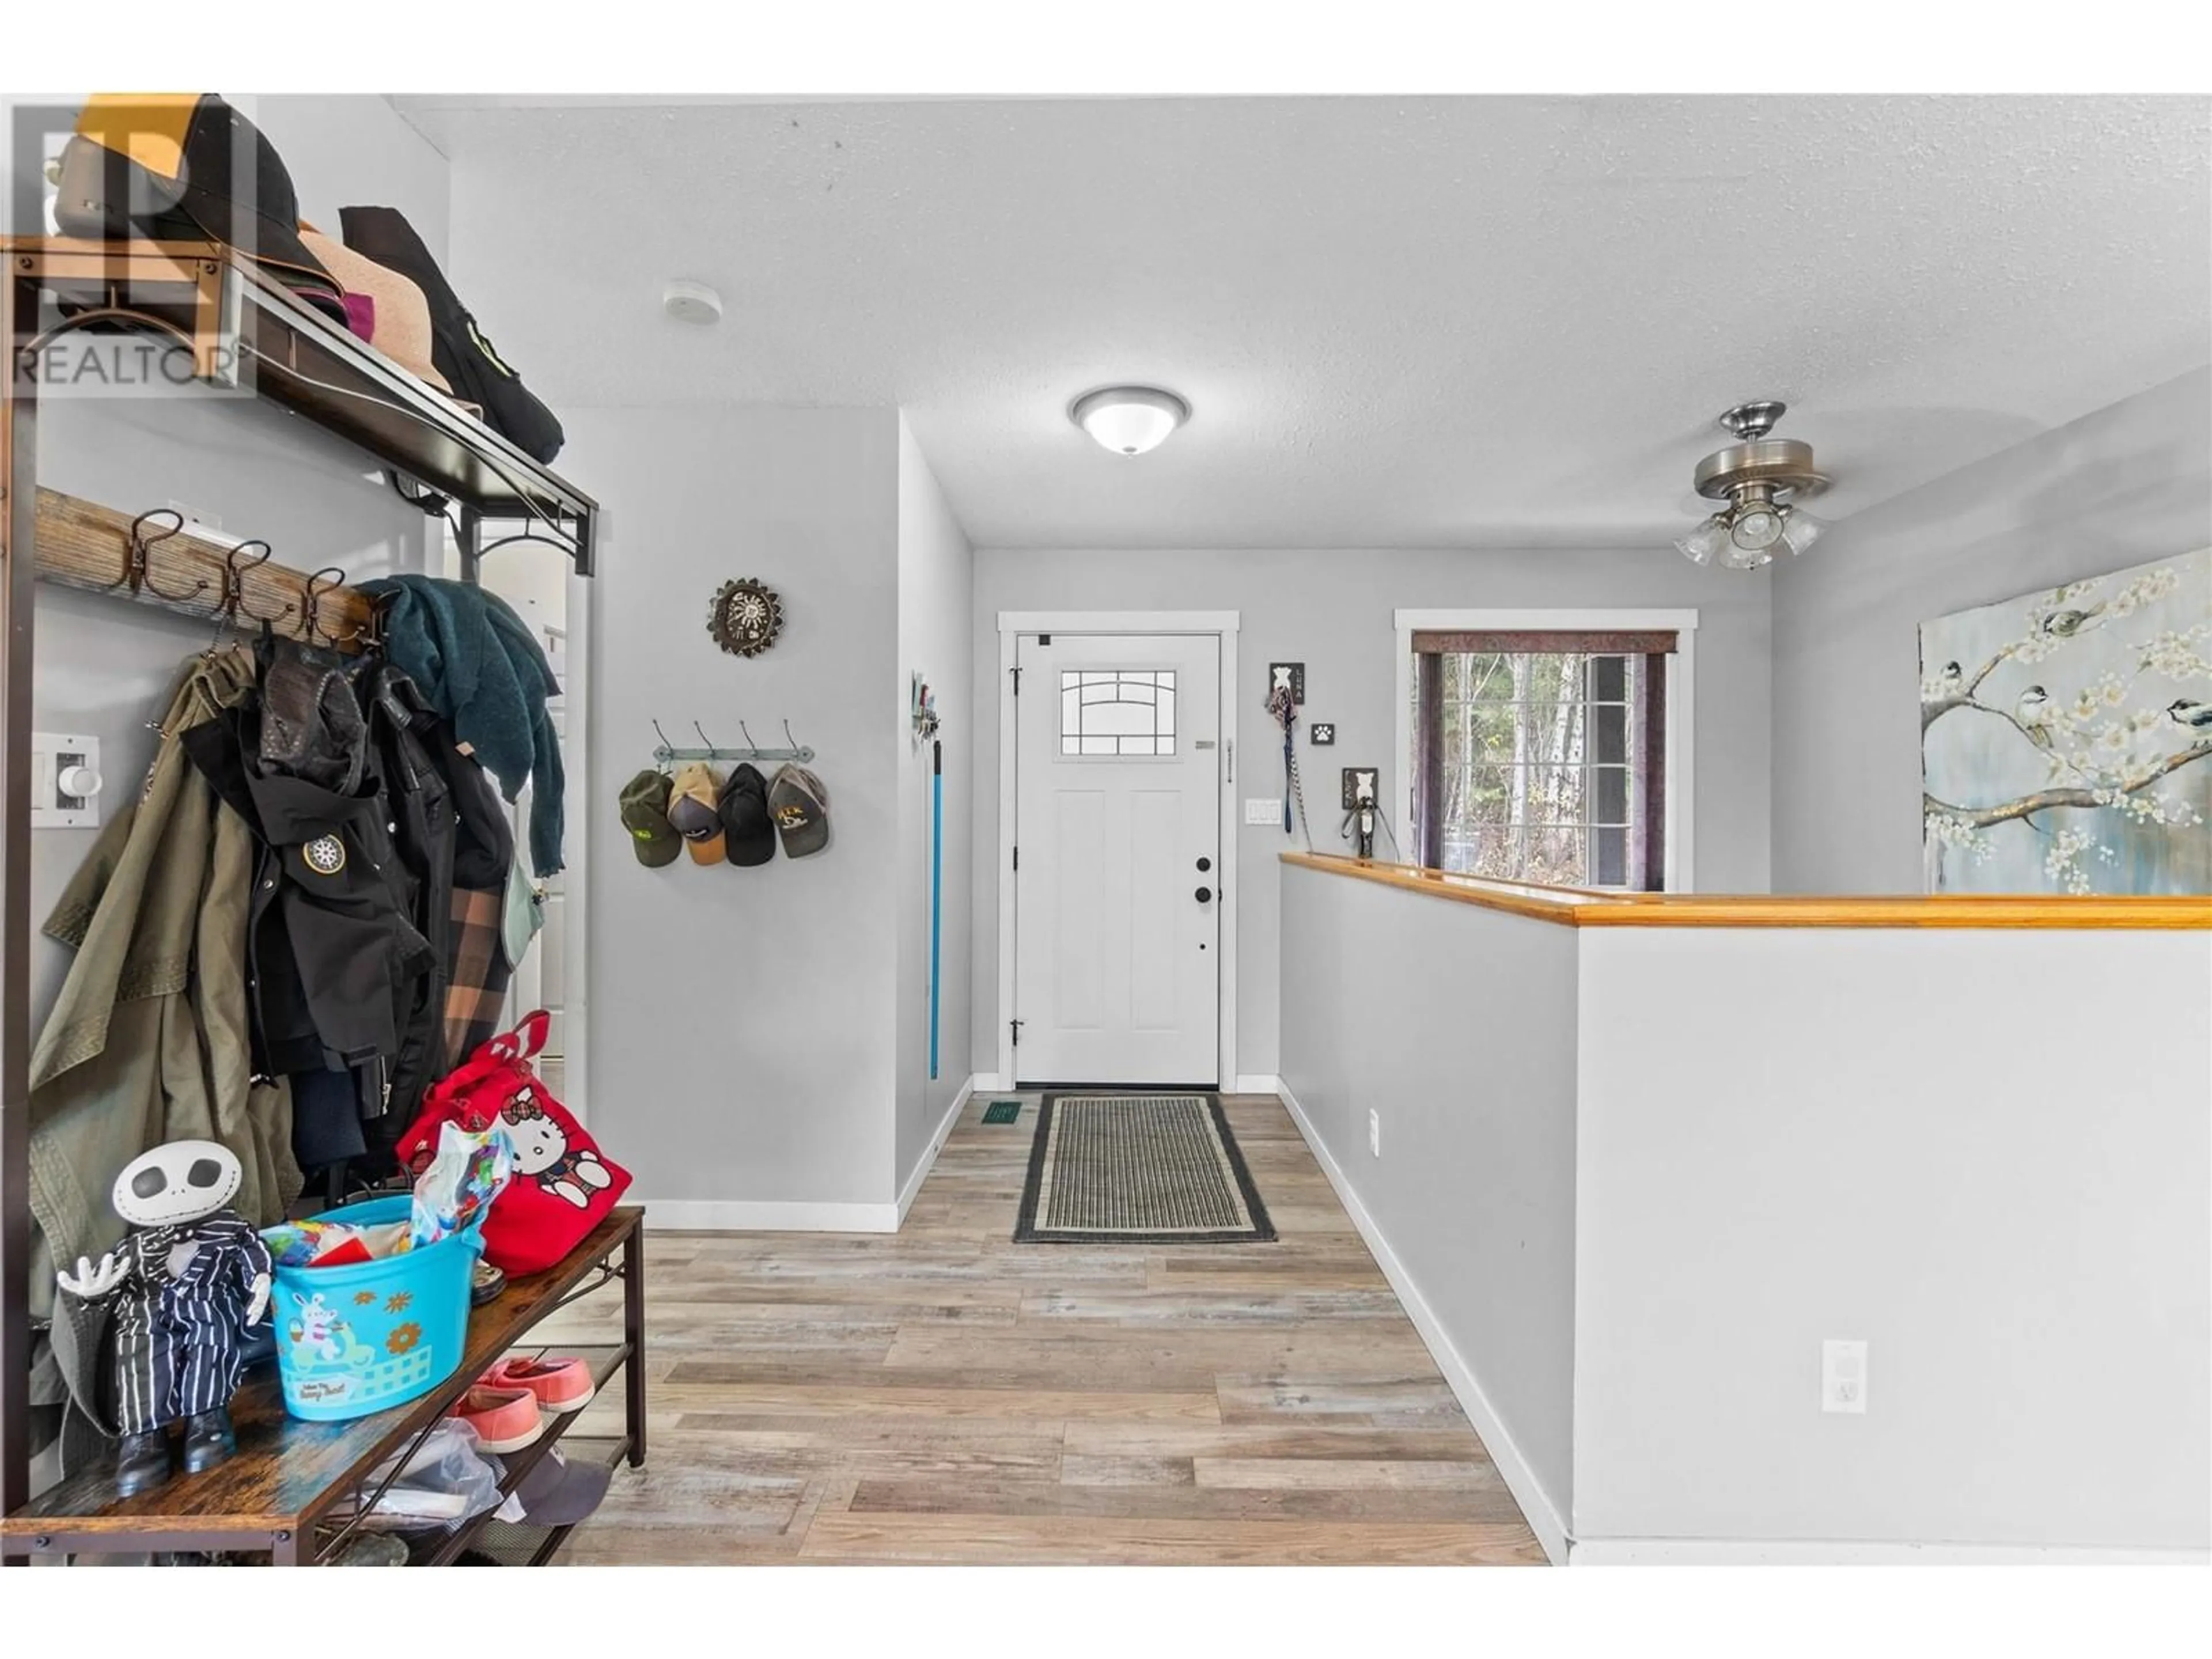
(1761, 479)
(1129, 419)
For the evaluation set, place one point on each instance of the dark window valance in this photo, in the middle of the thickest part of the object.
(1477, 641)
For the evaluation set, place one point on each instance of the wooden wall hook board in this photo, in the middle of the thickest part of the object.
(80, 544)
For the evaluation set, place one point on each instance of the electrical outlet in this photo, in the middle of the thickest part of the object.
(1264, 812)
(1374, 1131)
(1842, 1377)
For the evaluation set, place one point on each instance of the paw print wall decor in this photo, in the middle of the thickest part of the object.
(745, 617)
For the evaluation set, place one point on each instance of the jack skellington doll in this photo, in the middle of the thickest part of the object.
(188, 1280)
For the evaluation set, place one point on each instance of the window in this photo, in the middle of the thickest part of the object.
(1117, 711)
(1540, 756)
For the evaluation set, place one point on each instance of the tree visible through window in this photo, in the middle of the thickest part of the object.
(1540, 756)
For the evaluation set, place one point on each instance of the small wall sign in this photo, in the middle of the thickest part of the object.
(1322, 734)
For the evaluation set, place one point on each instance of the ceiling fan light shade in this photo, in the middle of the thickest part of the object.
(1800, 530)
(1757, 528)
(1703, 545)
(1129, 419)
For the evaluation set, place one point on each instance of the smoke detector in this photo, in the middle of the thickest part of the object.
(1762, 479)
(692, 302)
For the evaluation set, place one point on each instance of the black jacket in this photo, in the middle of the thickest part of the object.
(334, 957)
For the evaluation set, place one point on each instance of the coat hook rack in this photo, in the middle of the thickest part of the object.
(668, 754)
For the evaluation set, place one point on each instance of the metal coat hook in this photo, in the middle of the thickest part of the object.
(790, 740)
(666, 748)
(707, 741)
(137, 572)
(311, 601)
(748, 731)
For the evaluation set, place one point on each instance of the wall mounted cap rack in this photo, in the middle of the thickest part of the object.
(667, 754)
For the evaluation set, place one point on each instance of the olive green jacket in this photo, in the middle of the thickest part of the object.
(148, 1040)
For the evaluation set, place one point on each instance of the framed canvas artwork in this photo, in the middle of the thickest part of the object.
(2066, 737)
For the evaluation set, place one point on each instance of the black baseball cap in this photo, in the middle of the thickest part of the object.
(745, 824)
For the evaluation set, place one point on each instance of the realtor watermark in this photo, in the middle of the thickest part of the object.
(105, 310)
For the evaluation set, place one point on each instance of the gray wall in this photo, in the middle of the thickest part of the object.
(102, 665)
(2125, 485)
(1333, 611)
(2017, 1225)
(742, 1045)
(936, 587)
(1475, 1186)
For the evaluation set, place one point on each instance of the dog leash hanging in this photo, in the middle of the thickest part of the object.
(1284, 713)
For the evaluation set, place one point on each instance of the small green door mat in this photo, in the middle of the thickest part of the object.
(1002, 1111)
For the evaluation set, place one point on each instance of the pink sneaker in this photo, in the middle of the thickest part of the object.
(506, 1419)
(559, 1385)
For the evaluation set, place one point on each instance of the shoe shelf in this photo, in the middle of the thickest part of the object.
(442, 1549)
(292, 1487)
(249, 334)
(521, 1543)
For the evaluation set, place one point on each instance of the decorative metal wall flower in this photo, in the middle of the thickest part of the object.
(745, 617)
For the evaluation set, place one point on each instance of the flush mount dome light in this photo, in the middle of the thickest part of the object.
(1129, 419)
(1761, 479)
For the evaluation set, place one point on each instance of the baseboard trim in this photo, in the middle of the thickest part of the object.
(1258, 1083)
(1752, 1551)
(990, 1083)
(688, 1215)
(1536, 1505)
(928, 1160)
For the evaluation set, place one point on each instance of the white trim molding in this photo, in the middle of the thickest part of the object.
(928, 1159)
(1222, 625)
(1537, 1506)
(1681, 705)
(1824, 1552)
(685, 1215)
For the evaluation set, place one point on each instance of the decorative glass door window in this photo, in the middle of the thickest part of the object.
(1117, 711)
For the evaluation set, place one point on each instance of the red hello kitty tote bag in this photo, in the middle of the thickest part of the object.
(562, 1187)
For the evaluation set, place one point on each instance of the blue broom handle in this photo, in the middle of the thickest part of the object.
(936, 887)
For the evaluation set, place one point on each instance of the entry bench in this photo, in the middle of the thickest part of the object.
(286, 1493)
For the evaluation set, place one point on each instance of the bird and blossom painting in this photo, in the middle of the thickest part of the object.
(2066, 737)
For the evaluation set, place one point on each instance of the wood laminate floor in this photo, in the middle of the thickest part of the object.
(943, 1395)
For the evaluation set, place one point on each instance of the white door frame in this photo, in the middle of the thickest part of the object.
(1681, 704)
(1223, 625)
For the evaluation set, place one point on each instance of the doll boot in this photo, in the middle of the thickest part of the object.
(209, 1439)
(143, 1461)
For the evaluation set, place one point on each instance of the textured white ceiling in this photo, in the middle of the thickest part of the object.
(1401, 321)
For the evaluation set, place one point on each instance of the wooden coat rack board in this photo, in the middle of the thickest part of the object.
(84, 545)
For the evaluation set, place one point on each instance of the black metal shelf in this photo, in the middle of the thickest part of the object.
(250, 332)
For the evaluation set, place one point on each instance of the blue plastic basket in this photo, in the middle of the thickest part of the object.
(353, 1341)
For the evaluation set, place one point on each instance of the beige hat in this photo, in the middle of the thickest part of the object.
(401, 327)
(693, 810)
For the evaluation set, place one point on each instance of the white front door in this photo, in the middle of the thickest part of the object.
(1116, 859)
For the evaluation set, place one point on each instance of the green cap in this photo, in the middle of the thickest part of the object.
(645, 815)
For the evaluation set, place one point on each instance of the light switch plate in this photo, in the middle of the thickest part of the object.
(54, 754)
(1264, 812)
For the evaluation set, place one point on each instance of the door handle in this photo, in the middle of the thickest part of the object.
(1205, 896)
